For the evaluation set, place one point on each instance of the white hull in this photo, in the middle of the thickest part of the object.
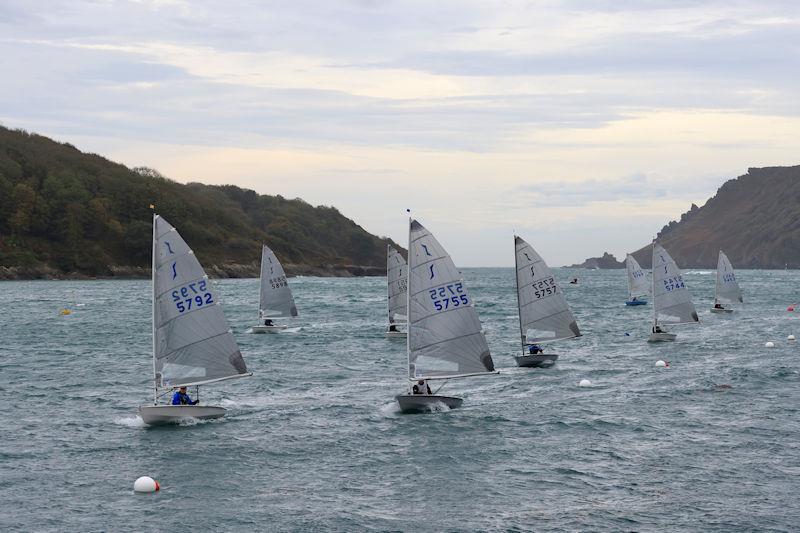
(423, 403)
(172, 414)
(662, 337)
(721, 311)
(269, 329)
(396, 334)
(534, 360)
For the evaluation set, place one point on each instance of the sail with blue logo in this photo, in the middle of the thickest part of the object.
(672, 303)
(192, 343)
(637, 280)
(544, 314)
(727, 290)
(396, 278)
(276, 296)
(445, 337)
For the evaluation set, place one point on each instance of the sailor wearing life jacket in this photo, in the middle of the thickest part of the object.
(421, 387)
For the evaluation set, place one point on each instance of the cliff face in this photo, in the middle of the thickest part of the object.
(754, 219)
(64, 213)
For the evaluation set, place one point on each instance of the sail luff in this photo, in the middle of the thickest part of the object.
(408, 299)
(653, 284)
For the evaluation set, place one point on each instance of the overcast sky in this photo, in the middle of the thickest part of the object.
(584, 126)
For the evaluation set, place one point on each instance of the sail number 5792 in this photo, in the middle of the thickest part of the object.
(448, 296)
(193, 294)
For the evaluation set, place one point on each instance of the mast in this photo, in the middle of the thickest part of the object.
(408, 298)
(260, 283)
(716, 285)
(389, 288)
(653, 283)
(153, 314)
(516, 281)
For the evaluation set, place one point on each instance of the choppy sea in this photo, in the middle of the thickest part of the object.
(314, 440)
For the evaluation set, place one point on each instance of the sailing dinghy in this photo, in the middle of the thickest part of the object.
(672, 303)
(544, 315)
(727, 290)
(192, 344)
(276, 300)
(637, 282)
(396, 278)
(445, 338)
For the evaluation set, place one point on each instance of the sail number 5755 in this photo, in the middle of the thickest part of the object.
(193, 294)
(448, 296)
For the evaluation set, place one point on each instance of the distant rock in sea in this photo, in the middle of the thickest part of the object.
(608, 261)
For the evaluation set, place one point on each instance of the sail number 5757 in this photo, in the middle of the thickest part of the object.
(544, 287)
(191, 295)
(448, 296)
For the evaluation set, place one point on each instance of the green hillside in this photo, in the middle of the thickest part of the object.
(72, 212)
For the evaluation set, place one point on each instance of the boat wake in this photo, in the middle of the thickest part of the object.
(130, 421)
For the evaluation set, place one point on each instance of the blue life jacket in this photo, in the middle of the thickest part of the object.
(181, 398)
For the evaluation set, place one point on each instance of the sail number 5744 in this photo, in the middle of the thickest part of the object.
(448, 296)
(191, 295)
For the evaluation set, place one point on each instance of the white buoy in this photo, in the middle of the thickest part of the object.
(585, 383)
(790, 338)
(145, 484)
(661, 363)
(769, 344)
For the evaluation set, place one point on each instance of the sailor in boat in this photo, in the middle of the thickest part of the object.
(392, 327)
(718, 306)
(574, 281)
(657, 329)
(533, 349)
(268, 322)
(181, 398)
(634, 299)
(421, 387)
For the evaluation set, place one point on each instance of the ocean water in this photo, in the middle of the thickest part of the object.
(314, 441)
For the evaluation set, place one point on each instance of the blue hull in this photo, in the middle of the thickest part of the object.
(637, 302)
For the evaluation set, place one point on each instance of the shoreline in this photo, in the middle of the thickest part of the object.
(226, 271)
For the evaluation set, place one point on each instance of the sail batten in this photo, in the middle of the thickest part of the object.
(191, 339)
(727, 289)
(544, 314)
(276, 298)
(445, 336)
(396, 281)
(672, 303)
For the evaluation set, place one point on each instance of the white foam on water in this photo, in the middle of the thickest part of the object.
(700, 272)
(292, 330)
(130, 421)
(389, 408)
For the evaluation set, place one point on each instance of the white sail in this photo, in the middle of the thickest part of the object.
(276, 296)
(727, 290)
(672, 303)
(192, 343)
(396, 278)
(445, 337)
(544, 314)
(637, 280)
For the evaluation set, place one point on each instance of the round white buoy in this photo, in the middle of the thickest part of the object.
(585, 383)
(661, 363)
(769, 345)
(790, 338)
(145, 484)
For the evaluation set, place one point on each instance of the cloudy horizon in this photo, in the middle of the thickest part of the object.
(584, 130)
